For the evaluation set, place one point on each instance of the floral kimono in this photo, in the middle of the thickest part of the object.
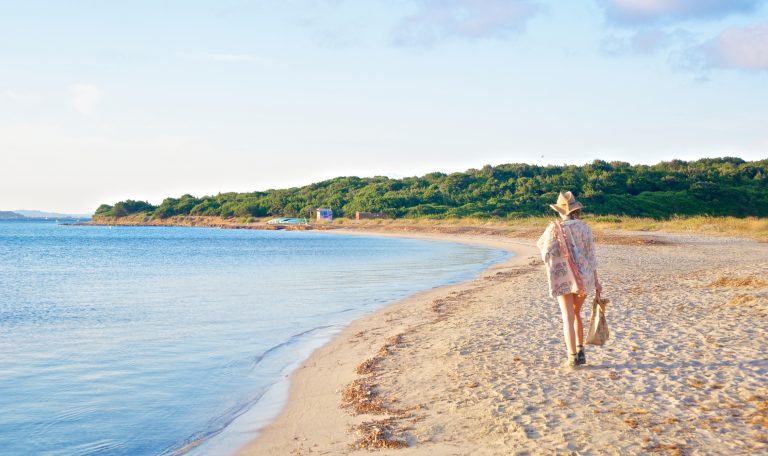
(579, 239)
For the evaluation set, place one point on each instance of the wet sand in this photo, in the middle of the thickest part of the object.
(476, 367)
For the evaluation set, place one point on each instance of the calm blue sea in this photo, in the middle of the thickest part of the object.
(144, 340)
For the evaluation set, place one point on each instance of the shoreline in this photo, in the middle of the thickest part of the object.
(274, 400)
(330, 368)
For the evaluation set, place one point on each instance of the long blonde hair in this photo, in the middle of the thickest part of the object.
(573, 214)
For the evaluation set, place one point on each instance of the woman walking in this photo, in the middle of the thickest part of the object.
(568, 251)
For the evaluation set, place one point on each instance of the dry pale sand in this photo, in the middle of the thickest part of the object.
(476, 368)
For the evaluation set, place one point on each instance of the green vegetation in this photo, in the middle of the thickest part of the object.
(712, 187)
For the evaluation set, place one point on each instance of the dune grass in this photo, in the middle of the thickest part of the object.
(752, 227)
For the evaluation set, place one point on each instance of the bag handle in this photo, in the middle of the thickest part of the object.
(601, 302)
(565, 248)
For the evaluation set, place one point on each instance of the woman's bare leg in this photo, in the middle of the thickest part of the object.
(578, 301)
(566, 309)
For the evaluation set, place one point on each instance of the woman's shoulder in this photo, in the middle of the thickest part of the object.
(547, 234)
(577, 224)
(583, 226)
(581, 222)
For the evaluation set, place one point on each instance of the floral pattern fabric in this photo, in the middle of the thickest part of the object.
(580, 241)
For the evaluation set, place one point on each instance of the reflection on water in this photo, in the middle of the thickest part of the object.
(141, 340)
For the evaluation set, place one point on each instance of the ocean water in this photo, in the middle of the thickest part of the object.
(151, 340)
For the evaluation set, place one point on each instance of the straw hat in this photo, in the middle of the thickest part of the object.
(566, 203)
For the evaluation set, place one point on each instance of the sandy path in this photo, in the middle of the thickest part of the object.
(476, 368)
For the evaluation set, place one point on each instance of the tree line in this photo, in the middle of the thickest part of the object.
(716, 186)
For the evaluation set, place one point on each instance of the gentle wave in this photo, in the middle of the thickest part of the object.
(218, 424)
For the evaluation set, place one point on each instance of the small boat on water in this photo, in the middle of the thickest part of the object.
(288, 221)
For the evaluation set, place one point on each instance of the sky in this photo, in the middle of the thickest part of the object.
(106, 101)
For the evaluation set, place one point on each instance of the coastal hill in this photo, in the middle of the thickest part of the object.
(717, 186)
(39, 215)
(8, 215)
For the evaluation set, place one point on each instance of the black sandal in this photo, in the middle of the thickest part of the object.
(581, 358)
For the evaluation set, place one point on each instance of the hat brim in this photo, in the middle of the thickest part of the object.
(563, 211)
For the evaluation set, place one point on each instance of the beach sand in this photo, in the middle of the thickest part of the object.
(477, 367)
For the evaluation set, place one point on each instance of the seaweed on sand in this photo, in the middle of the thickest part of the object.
(748, 281)
(370, 365)
(378, 434)
(361, 397)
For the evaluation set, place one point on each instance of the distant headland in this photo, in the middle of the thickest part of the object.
(40, 215)
(8, 215)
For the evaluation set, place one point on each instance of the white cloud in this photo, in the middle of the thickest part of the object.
(85, 97)
(743, 48)
(645, 42)
(632, 12)
(436, 20)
